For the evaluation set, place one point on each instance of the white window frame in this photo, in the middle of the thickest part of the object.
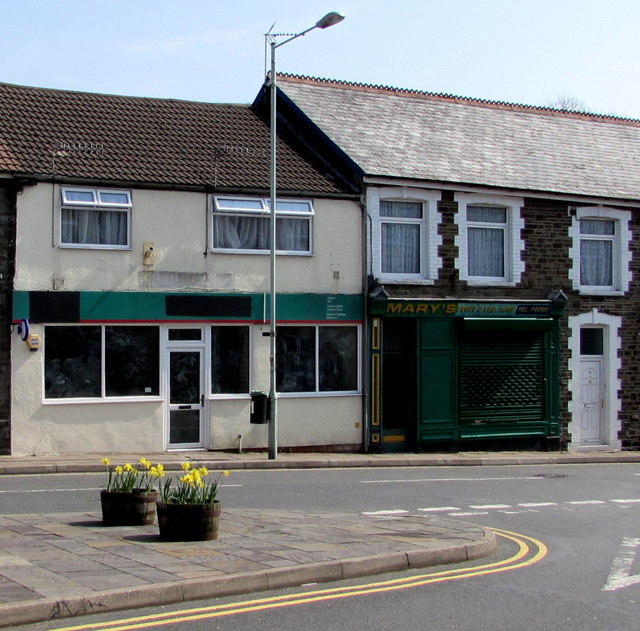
(326, 393)
(97, 203)
(430, 240)
(262, 210)
(513, 243)
(103, 397)
(621, 250)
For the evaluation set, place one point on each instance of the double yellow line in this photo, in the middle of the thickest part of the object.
(529, 551)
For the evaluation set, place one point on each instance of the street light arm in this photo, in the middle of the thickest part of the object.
(334, 17)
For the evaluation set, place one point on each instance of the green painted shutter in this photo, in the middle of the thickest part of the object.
(501, 377)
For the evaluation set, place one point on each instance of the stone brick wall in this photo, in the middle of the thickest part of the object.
(7, 250)
(547, 265)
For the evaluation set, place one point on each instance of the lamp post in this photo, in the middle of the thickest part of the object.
(272, 38)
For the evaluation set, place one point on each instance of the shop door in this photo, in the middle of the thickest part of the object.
(186, 399)
(591, 401)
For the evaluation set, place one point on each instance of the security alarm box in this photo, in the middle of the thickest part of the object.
(33, 341)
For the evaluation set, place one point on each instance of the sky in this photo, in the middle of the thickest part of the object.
(520, 51)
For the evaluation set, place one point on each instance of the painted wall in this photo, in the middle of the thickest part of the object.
(178, 225)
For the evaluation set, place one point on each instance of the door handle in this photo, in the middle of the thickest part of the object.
(184, 407)
(202, 400)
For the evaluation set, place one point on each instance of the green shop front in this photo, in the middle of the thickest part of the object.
(454, 375)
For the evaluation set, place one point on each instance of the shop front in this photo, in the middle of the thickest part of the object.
(453, 375)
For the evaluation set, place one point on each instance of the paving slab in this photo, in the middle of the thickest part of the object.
(80, 566)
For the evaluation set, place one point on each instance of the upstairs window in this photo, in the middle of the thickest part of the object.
(486, 241)
(401, 232)
(597, 239)
(600, 253)
(404, 233)
(243, 224)
(489, 244)
(95, 218)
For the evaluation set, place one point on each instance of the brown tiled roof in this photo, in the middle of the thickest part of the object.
(45, 132)
(389, 132)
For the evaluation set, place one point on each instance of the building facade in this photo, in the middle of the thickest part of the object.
(140, 296)
(501, 265)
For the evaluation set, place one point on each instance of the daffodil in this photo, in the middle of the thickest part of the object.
(106, 462)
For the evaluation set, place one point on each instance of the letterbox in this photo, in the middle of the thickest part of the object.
(259, 413)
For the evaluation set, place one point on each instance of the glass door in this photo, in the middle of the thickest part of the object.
(186, 399)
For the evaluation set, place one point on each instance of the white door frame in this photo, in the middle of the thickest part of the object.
(182, 345)
(611, 364)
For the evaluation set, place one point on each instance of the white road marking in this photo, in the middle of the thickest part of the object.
(633, 501)
(537, 504)
(585, 502)
(439, 509)
(386, 512)
(620, 575)
(488, 506)
(450, 480)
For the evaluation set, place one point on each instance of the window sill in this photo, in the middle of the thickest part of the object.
(307, 395)
(405, 280)
(93, 246)
(93, 401)
(488, 283)
(587, 291)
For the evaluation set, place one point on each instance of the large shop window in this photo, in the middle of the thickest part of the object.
(101, 361)
(600, 251)
(229, 359)
(95, 218)
(243, 225)
(317, 359)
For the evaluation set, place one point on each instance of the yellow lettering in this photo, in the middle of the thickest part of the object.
(435, 308)
(422, 308)
(409, 308)
(394, 308)
(451, 309)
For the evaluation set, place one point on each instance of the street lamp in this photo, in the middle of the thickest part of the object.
(272, 38)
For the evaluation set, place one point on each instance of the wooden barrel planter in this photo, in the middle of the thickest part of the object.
(188, 522)
(137, 508)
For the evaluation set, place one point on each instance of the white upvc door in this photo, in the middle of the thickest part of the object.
(591, 401)
(186, 399)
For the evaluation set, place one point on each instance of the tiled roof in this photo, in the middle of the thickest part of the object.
(146, 141)
(441, 138)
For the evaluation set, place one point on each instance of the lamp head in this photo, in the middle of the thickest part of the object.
(330, 19)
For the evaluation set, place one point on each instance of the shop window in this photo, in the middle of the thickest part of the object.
(131, 361)
(78, 360)
(600, 251)
(72, 362)
(95, 218)
(489, 244)
(244, 225)
(229, 359)
(317, 359)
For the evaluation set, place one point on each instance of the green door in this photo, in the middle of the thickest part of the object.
(436, 377)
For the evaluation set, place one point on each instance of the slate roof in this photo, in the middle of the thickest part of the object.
(440, 138)
(148, 141)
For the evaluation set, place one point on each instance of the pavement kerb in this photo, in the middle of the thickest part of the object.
(34, 611)
(16, 465)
